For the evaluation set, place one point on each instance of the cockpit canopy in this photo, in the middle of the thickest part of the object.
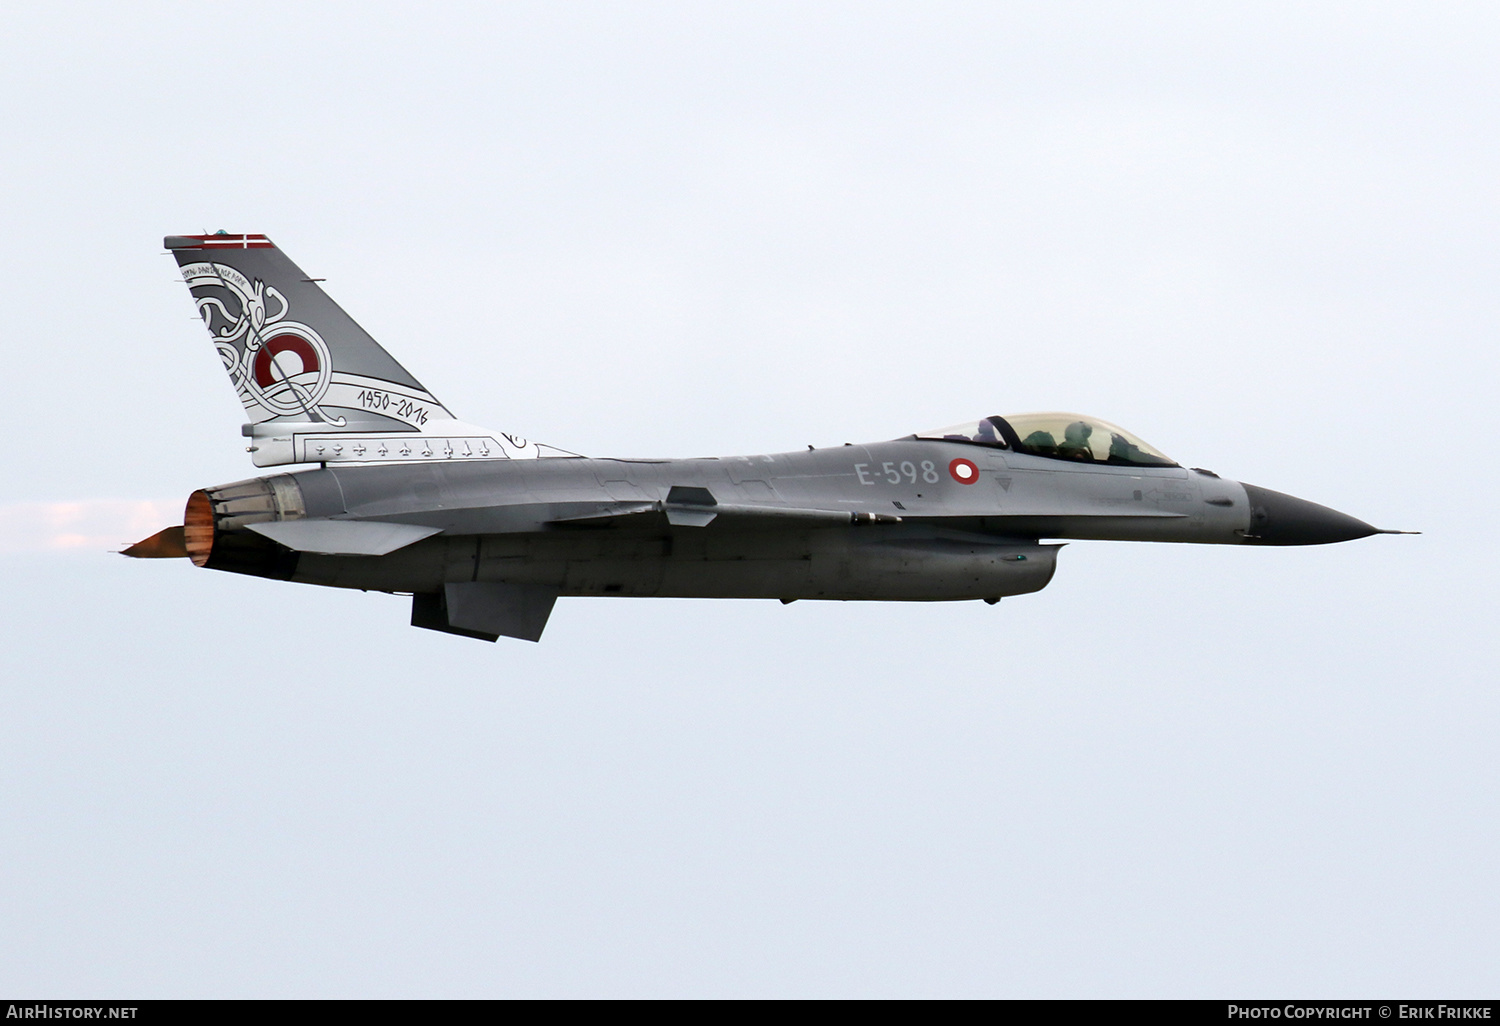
(1059, 436)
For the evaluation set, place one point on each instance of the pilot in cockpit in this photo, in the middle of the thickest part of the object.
(1075, 444)
(986, 434)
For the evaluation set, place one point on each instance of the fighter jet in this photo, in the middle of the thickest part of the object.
(484, 530)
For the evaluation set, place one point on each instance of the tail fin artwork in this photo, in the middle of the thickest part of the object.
(317, 388)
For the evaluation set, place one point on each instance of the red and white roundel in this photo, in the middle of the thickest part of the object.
(964, 471)
(301, 347)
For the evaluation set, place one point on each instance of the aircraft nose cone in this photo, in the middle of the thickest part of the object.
(1277, 519)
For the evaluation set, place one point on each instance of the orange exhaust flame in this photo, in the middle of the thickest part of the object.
(167, 543)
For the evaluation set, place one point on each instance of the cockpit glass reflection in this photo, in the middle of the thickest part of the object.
(1067, 436)
(976, 432)
(1059, 436)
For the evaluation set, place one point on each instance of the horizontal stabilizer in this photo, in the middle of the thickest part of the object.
(343, 537)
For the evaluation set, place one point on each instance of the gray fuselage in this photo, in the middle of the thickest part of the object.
(889, 520)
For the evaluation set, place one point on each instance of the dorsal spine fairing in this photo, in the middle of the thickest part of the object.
(316, 387)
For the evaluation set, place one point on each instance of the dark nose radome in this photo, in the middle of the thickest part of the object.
(1277, 519)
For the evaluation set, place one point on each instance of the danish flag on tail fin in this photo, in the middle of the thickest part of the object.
(317, 388)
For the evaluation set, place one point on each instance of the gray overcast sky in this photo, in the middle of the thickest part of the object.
(1262, 236)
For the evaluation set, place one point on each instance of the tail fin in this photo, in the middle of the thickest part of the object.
(317, 388)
